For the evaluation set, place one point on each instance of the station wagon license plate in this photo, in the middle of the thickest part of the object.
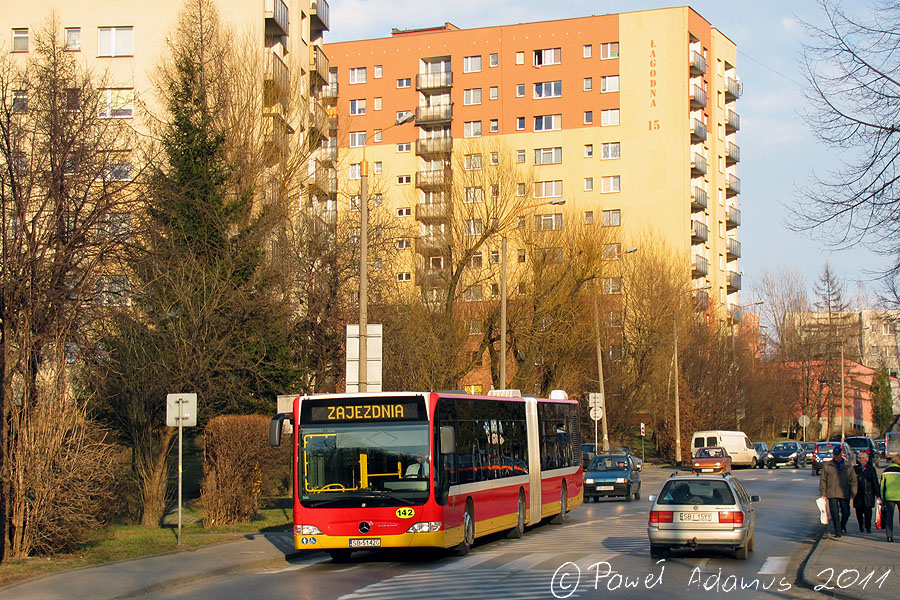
(366, 543)
(696, 517)
(605, 488)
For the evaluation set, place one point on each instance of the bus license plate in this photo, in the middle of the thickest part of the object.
(696, 517)
(605, 488)
(365, 543)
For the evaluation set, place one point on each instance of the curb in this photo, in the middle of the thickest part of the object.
(806, 577)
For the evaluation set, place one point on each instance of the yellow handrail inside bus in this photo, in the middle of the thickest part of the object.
(331, 487)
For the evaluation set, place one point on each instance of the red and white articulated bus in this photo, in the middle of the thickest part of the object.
(420, 469)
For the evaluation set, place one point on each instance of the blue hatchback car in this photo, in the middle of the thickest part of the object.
(612, 475)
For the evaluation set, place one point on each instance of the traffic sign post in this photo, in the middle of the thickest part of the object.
(803, 420)
(643, 431)
(181, 411)
(595, 401)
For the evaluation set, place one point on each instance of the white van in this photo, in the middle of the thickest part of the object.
(736, 443)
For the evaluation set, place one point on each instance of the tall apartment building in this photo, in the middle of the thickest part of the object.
(631, 118)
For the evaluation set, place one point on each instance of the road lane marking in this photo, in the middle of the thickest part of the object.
(525, 563)
(468, 562)
(801, 479)
(774, 565)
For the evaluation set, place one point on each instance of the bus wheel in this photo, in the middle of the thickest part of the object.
(468, 531)
(563, 506)
(519, 530)
(340, 555)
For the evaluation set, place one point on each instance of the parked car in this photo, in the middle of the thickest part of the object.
(825, 452)
(588, 452)
(862, 444)
(702, 511)
(736, 443)
(762, 450)
(612, 474)
(785, 454)
(711, 460)
(882, 448)
(809, 448)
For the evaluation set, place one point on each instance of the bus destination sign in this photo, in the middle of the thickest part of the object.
(387, 409)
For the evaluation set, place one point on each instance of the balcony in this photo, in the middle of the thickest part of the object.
(428, 146)
(737, 314)
(319, 16)
(699, 266)
(432, 276)
(701, 299)
(732, 217)
(276, 132)
(732, 153)
(432, 179)
(734, 282)
(321, 178)
(276, 13)
(318, 65)
(435, 212)
(732, 121)
(733, 251)
(698, 97)
(698, 131)
(699, 232)
(327, 155)
(698, 165)
(318, 119)
(433, 244)
(432, 82)
(330, 93)
(433, 115)
(277, 83)
(733, 89)
(699, 199)
(733, 186)
(697, 63)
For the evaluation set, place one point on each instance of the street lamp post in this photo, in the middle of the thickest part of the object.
(364, 261)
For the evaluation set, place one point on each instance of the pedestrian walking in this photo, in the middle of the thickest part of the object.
(838, 485)
(890, 495)
(867, 490)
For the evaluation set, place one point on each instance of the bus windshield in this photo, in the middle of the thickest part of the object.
(353, 465)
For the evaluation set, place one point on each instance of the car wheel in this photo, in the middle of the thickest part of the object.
(519, 530)
(464, 546)
(340, 556)
(741, 552)
(657, 551)
(628, 494)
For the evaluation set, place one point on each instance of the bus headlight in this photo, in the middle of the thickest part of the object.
(425, 527)
(307, 530)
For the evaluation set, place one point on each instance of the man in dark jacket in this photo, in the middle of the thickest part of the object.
(838, 485)
(868, 488)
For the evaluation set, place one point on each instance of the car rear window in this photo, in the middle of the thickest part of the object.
(826, 448)
(699, 491)
(858, 443)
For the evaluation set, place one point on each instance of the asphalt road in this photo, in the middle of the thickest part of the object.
(601, 552)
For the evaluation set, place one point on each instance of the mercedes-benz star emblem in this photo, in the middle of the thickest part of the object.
(364, 527)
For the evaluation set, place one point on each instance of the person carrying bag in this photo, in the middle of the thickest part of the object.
(867, 492)
(838, 486)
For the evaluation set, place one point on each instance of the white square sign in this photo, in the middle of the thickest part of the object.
(187, 403)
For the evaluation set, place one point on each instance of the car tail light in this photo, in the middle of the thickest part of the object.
(731, 516)
(661, 516)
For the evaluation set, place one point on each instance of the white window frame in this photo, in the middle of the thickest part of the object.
(473, 195)
(589, 184)
(358, 106)
(589, 151)
(495, 158)
(377, 103)
(611, 285)
(404, 147)
(548, 156)
(472, 64)
(494, 92)
(548, 222)
(611, 151)
(106, 110)
(404, 276)
(494, 126)
(547, 56)
(404, 82)
(494, 60)
(472, 96)
(121, 41)
(609, 50)
(472, 162)
(609, 83)
(609, 117)
(404, 179)
(548, 189)
(473, 227)
(378, 71)
(612, 218)
(520, 156)
(587, 51)
(404, 211)
(378, 167)
(555, 122)
(610, 184)
(472, 129)
(20, 40)
(588, 84)
(357, 75)
(548, 89)
(520, 123)
(520, 57)
(588, 117)
(376, 136)
(520, 90)
(588, 217)
(357, 139)
(73, 45)
(354, 171)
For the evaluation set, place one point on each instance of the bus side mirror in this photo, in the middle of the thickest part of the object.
(275, 426)
(448, 440)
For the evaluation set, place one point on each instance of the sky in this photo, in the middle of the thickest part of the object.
(779, 153)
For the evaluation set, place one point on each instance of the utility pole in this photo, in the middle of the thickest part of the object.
(503, 312)
(677, 407)
(363, 274)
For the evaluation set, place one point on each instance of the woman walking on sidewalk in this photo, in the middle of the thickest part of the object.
(838, 485)
(867, 490)
(890, 495)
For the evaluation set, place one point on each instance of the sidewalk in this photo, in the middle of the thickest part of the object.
(127, 578)
(844, 565)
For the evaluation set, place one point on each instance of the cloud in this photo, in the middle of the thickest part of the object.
(790, 25)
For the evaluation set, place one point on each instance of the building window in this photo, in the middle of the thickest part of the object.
(588, 117)
(549, 56)
(379, 166)
(610, 150)
(476, 261)
(548, 156)
(550, 222)
(117, 171)
(611, 251)
(494, 257)
(588, 84)
(520, 191)
(358, 75)
(473, 293)
(609, 50)
(609, 83)
(73, 100)
(548, 189)
(377, 200)
(404, 277)
(403, 244)
(612, 218)
(115, 41)
(379, 70)
(548, 89)
(404, 147)
(588, 51)
(472, 96)
(376, 136)
(472, 129)
(404, 82)
(521, 220)
(495, 125)
(494, 92)
(376, 103)
(20, 102)
(520, 123)
(354, 202)
(609, 117)
(116, 103)
(472, 64)
(588, 150)
(520, 90)
(20, 40)
(495, 290)
(357, 139)
(402, 114)
(404, 212)
(495, 158)
(403, 180)
(610, 184)
(520, 58)
(73, 39)
(611, 285)
(358, 107)
(494, 60)
(520, 156)
(589, 217)
(520, 255)
(589, 184)
(474, 227)
(474, 195)
(354, 172)
(495, 190)
(547, 122)
(377, 264)
(472, 162)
